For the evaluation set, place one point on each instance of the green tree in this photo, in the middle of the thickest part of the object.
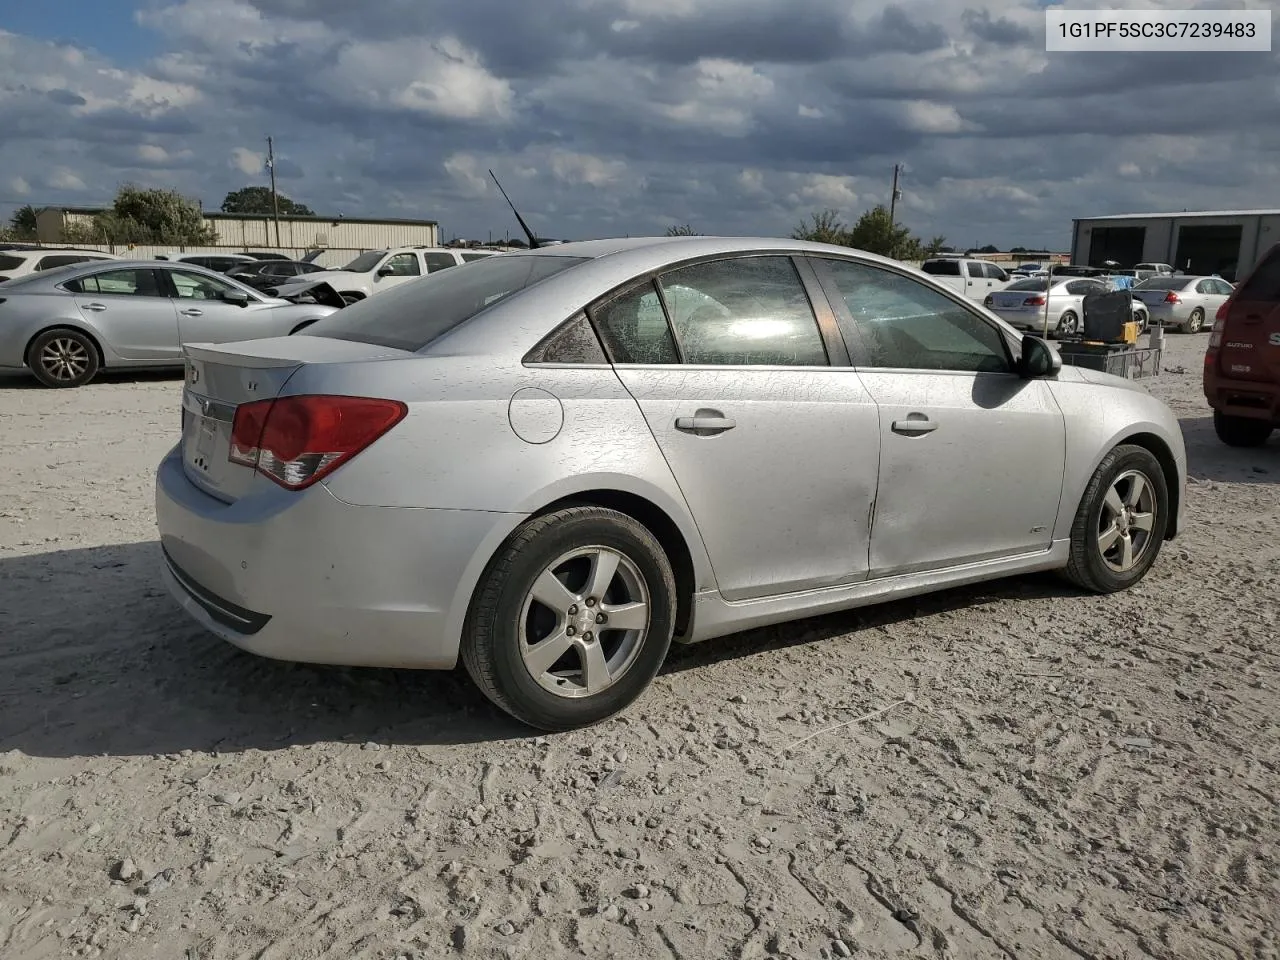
(935, 246)
(258, 200)
(824, 227)
(141, 215)
(876, 233)
(22, 225)
(683, 230)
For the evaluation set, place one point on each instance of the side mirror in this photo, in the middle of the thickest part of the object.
(386, 272)
(1038, 359)
(238, 297)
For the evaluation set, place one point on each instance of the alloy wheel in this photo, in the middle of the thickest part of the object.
(1128, 516)
(583, 621)
(64, 359)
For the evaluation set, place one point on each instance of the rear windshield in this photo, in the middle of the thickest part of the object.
(11, 263)
(942, 268)
(410, 316)
(1035, 284)
(1161, 283)
(1264, 284)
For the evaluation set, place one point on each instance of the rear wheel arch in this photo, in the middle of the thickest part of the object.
(659, 523)
(352, 296)
(97, 345)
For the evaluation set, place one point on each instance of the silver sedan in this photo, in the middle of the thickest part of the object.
(1187, 304)
(553, 464)
(65, 325)
(1022, 304)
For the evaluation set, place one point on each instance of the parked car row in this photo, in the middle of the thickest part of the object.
(65, 325)
(1033, 302)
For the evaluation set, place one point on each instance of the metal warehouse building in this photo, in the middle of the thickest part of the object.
(246, 231)
(1225, 242)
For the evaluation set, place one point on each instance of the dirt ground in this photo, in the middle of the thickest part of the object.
(1048, 774)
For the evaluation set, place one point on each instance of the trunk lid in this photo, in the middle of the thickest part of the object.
(1151, 297)
(1013, 299)
(1250, 348)
(220, 377)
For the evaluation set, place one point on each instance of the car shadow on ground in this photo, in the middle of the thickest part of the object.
(97, 659)
(1209, 459)
(24, 381)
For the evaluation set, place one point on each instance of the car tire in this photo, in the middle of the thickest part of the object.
(1241, 431)
(535, 590)
(1195, 322)
(1068, 325)
(1120, 523)
(63, 358)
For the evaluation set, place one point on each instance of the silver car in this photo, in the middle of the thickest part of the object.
(65, 325)
(1187, 304)
(555, 463)
(1022, 304)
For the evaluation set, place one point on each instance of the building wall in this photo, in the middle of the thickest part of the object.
(343, 239)
(1160, 245)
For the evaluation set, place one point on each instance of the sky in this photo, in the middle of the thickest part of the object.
(625, 117)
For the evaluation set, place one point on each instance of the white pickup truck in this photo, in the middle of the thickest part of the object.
(974, 278)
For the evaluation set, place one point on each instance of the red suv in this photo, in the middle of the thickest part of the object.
(1242, 364)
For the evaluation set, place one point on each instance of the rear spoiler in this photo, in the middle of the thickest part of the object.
(308, 291)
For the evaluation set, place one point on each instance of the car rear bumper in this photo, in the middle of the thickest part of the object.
(306, 577)
(1168, 314)
(1257, 400)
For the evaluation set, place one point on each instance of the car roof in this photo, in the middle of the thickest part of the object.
(519, 321)
(662, 250)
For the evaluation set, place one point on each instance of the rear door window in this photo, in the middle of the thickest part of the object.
(635, 328)
(439, 261)
(942, 268)
(120, 283)
(745, 311)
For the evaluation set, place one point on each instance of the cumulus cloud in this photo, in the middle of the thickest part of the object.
(60, 178)
(248, 161)
(605, 117)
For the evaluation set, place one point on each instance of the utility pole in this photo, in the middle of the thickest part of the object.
(893, 199)
(275, 200)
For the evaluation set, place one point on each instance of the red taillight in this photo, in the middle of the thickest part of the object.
(1033, 302)
(1221, 315)
(296, 441)
(1172, 297)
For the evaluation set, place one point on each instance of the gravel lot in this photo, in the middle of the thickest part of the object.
(1049, 775)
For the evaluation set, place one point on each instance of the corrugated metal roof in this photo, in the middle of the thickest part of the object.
(1183, 214)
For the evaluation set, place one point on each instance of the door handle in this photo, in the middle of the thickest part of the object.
(704, 424)
(914, 426)
(95, 307)
(192, 313)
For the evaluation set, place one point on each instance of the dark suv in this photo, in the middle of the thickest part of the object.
(1242, 364)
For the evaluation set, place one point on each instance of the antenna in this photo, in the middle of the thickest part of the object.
(533, 241)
